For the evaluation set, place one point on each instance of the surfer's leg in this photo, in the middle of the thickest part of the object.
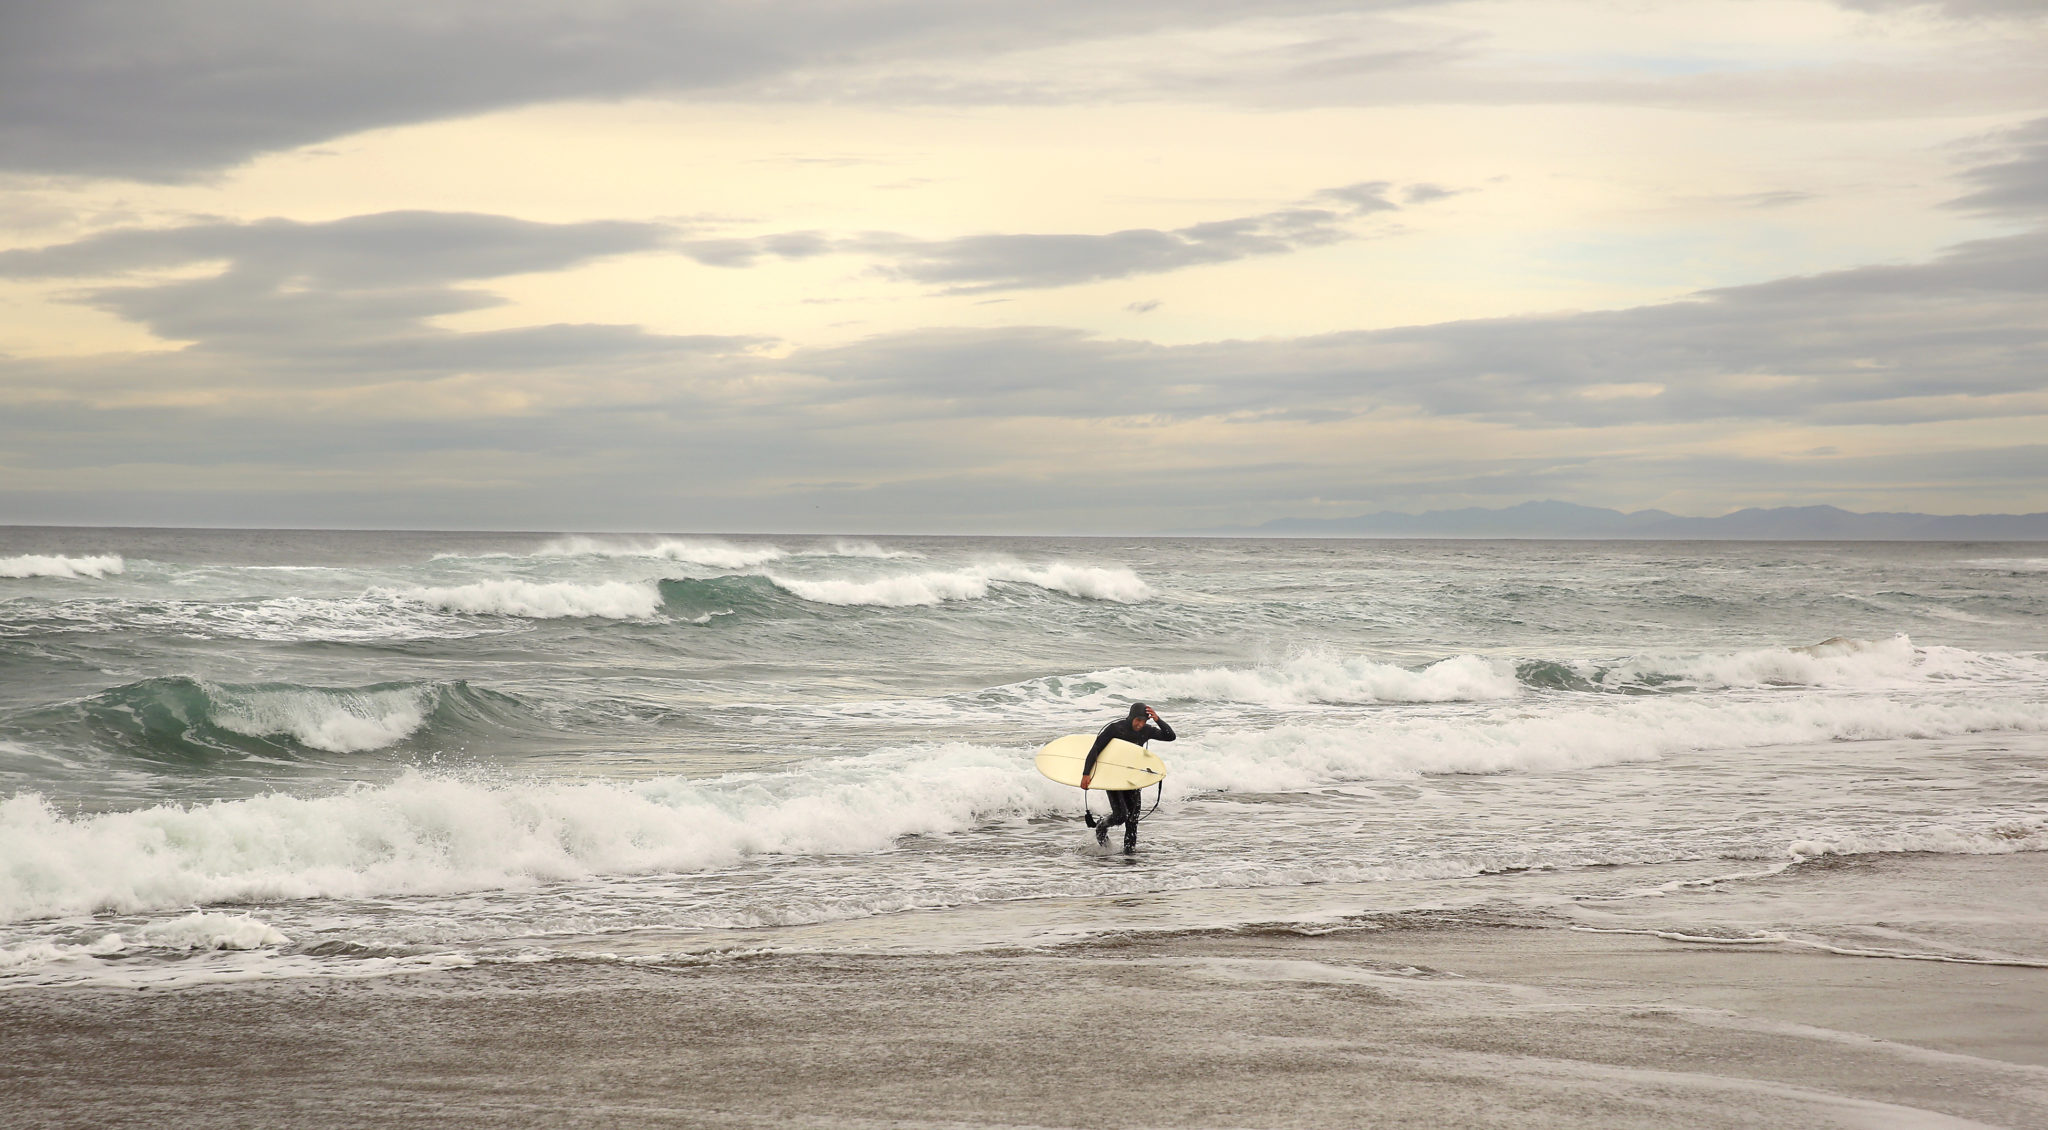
(1119, 813)
(1123, 806)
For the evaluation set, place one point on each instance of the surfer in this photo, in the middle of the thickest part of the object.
(1139, 726)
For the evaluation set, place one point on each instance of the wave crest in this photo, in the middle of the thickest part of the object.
(36, 565)
(432, 834)
(931, 587)
(1323, 678)
(709, 552)
(551, 600)
(1837, 662)
(183, 719)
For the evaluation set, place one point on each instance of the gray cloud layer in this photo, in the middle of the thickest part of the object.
(167, 91)
(879, 429)
(157, 91)
(317, 390)
(2016, 183)
(354, 293)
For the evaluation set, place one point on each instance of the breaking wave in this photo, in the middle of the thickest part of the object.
(34, 565)
(1298, 757)
(903, 590)
(1322, 678)
(710, 553)
(551, 600)
(183, 719)
(435, 834)
(1838, 662)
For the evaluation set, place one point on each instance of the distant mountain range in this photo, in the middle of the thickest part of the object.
(1566, 520)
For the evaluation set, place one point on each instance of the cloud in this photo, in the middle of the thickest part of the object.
(1371, 196)
(1429, 193)
(1955, 338)
(317, 387)
(348, 296)
(979, 264)
(170, 92)
(2016, 183)
(383, 249)
(1957, 9)
(160, 91)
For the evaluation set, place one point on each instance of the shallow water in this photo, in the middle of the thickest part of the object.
(258, 754)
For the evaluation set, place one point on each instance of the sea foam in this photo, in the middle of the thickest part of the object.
(1324, 678)
(1570, 738)
(34, 565)
(430, 834)
(1838, 662)
(553, 600)
(709, 552)
(930, 587)
(436, 834)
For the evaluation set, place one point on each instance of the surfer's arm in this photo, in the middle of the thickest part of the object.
(1165, 732)
(1095, 751)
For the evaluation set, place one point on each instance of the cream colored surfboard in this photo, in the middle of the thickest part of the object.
(1121, 766)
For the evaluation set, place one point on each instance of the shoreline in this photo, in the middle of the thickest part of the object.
(1453, 1024)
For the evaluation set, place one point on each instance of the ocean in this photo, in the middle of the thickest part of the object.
(235, 755)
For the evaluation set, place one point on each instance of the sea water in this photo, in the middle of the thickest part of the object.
(231, 755)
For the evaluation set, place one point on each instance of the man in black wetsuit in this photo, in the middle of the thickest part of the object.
(1140, 725)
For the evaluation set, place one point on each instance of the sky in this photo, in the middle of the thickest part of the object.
(955, 266)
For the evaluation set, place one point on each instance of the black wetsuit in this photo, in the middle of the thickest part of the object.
(1124, 803)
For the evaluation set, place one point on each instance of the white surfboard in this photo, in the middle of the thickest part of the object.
(1121, 766)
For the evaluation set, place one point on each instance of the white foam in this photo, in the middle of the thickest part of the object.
(2013, 834)
(2010, 564)
(34, 565)
(195, 932)
(1324, 678)
(610, 600)
(901, 591)
(1849, 663)
(337, 721)
(713, 553)
(930, 587)
(1300, 757)
(709, 552)
(201, 931)
(846, 547)
(436, 834)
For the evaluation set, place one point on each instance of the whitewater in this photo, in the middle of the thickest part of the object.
(236, 755)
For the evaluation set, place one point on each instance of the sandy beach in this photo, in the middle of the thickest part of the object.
(1461, 1022)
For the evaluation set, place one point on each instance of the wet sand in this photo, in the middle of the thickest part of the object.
(1455, 1023)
